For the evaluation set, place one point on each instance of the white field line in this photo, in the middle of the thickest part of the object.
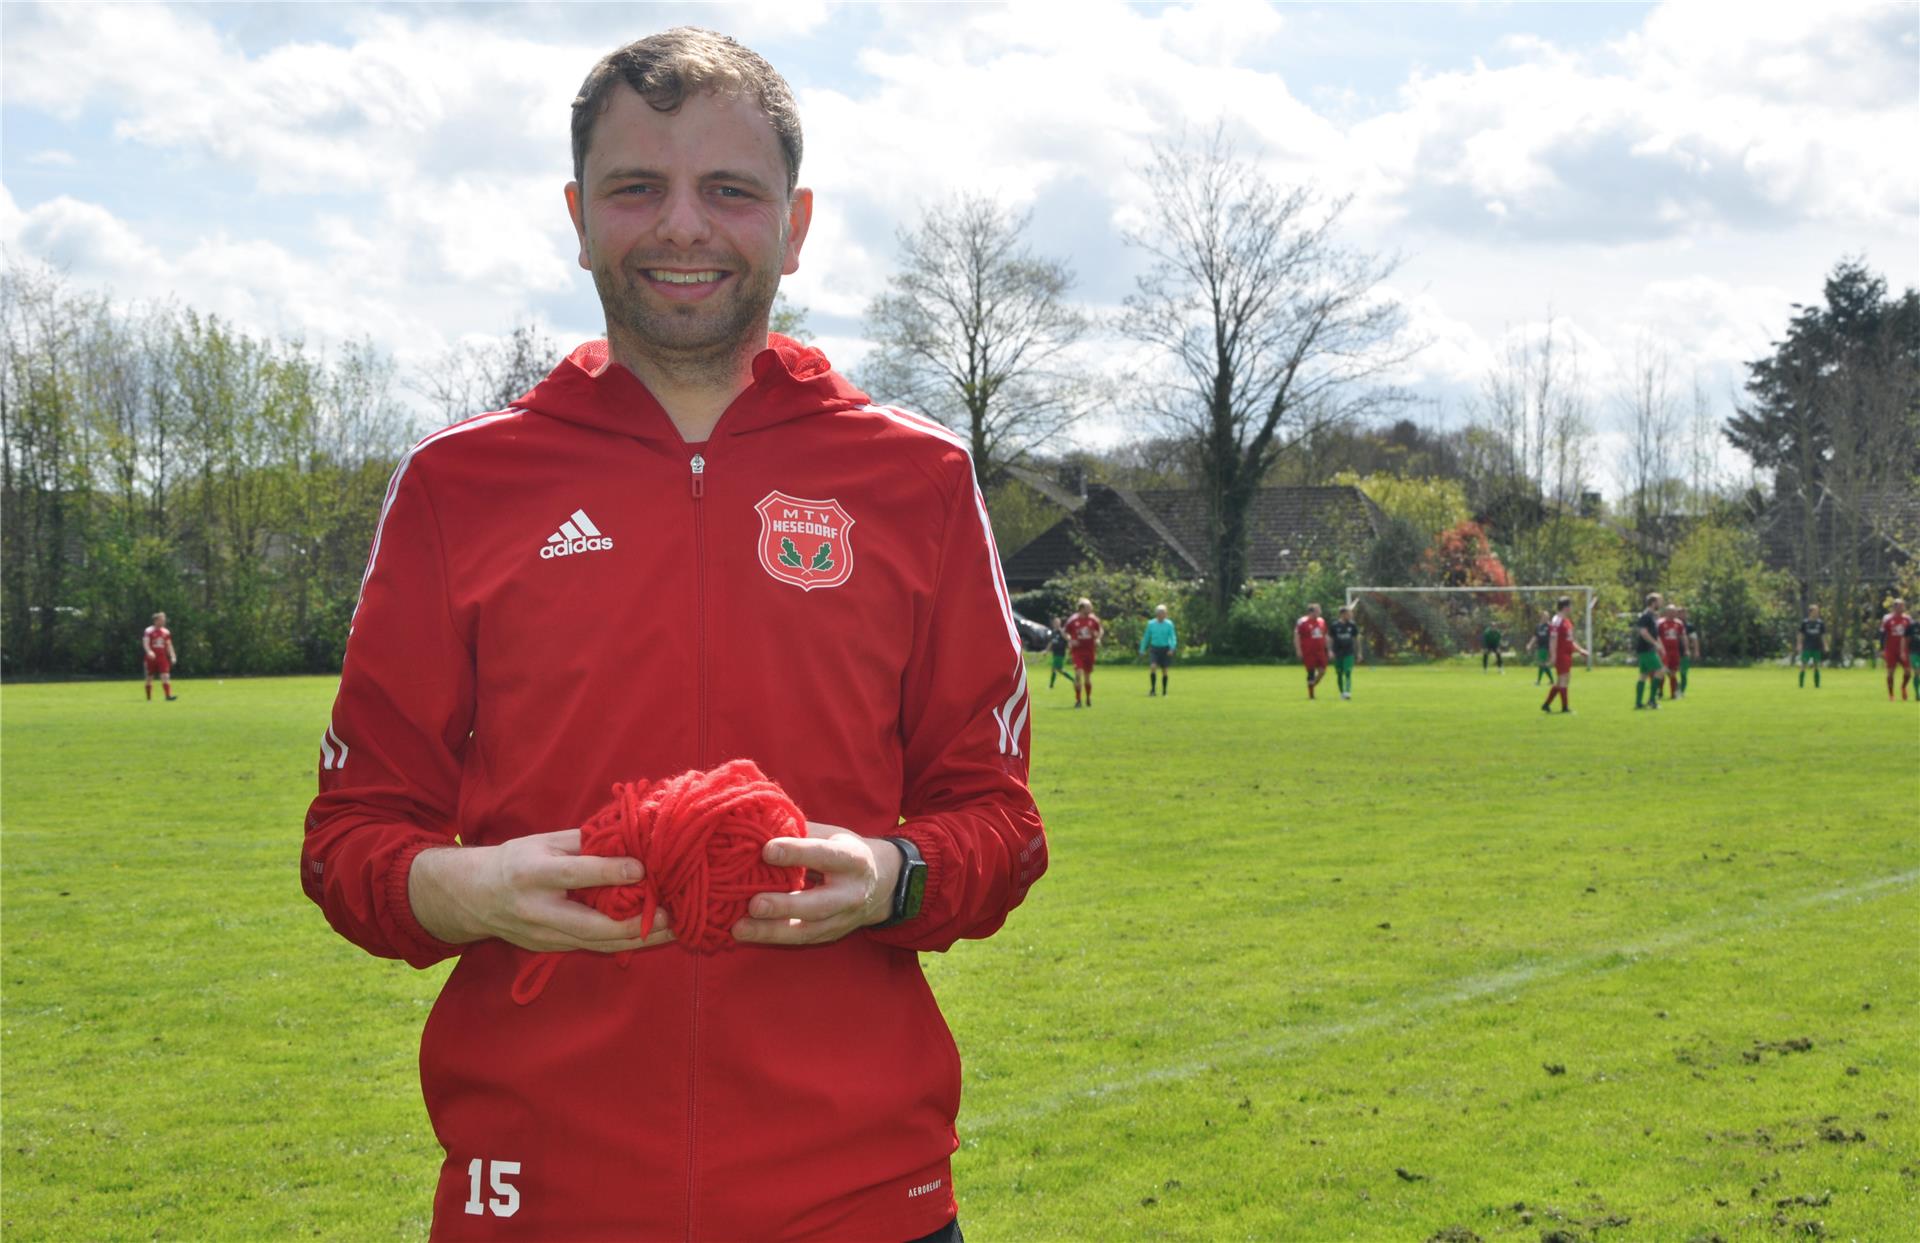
(1222, 1054)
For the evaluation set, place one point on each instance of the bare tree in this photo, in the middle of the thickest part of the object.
(1532, 407)
(1272, 330)
(473, 377)
(1650, 420)
(977, 332)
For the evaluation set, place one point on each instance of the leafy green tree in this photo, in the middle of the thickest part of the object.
(789, 319)
(1742, 608)
(1834, 414)
(1430, 505)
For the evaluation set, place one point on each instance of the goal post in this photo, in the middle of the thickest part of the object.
(1585, 598)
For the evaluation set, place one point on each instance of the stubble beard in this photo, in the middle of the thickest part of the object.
(710, 343)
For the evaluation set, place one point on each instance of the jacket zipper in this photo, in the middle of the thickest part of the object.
(697, 473)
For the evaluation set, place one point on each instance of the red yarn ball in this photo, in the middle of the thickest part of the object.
(699, 836)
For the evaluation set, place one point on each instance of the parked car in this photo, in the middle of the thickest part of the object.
(1033, 636)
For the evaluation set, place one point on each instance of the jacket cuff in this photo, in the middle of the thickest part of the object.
(932, 850)
(418, 947)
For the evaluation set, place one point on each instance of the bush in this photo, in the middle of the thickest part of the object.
(1259, 625)
(1123, 599)
(1394, 557)
(1740, 606)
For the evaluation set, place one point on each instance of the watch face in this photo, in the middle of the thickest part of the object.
(916, 890)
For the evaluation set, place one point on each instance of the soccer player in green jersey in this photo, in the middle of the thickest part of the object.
(1542, 640)
(1057, 650)
(1345, 636)
(1812, 645)
(1646, 648)
(1490, 646)
(1156, 644)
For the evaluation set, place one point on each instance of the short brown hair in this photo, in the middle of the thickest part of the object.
(1564, 602)
(665, 68)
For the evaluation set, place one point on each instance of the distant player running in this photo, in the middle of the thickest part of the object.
(1538, 644)
(1896, 640)
(1561, 649)
(1057, 649)
(1156, 644)
(1346, 641)
(156, 649)
(1083, 631)
(1811, 648)
(1310, 640)
(1490, 647)
(1673, 646)
(1646, 649)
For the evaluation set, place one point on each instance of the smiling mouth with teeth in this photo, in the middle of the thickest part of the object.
(684, 278)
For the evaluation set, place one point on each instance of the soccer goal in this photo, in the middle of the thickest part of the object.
(1436, 622)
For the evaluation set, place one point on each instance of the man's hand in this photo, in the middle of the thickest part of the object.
(517, 891)
(860, 873)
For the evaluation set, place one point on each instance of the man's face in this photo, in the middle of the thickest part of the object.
(1161, 613)
(159, 619)
(684, 220)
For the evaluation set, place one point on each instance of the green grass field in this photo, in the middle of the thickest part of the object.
(1426, 964)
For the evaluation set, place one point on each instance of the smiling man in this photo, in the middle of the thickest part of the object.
(693, 498)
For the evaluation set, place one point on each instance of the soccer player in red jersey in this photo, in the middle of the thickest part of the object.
(1673, 644)
(1896, 638)
(1561, 649)
(1310, 640)
(1083, 640)
(156, 649)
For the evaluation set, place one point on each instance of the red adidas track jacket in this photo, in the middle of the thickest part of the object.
(564, 594)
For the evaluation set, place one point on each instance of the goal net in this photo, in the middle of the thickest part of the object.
(1433, 623)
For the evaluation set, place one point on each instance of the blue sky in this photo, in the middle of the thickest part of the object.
(1676, 173)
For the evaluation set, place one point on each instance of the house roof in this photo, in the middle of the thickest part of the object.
(1049, 488)
(1287, 529)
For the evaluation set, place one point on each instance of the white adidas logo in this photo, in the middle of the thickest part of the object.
(576, 534)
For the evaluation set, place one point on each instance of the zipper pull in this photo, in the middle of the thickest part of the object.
(699, 467)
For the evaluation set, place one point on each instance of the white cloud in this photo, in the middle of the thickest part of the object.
(88, 241)
(406, 171)
(1693, 122)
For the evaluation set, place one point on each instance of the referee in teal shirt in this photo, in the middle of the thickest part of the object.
(1158, 643)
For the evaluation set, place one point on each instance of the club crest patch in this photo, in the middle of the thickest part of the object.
(806, 543)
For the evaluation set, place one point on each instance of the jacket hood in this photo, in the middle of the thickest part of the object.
(790, 380)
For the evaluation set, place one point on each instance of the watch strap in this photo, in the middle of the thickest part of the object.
(909, 891)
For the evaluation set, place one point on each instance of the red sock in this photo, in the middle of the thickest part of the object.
(150, 690)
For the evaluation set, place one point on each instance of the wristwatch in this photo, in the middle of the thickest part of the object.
(911, 889)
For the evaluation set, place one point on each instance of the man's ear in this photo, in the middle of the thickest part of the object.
(799, 218)
(577, 212)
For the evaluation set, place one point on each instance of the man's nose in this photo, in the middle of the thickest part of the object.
(683, 222)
